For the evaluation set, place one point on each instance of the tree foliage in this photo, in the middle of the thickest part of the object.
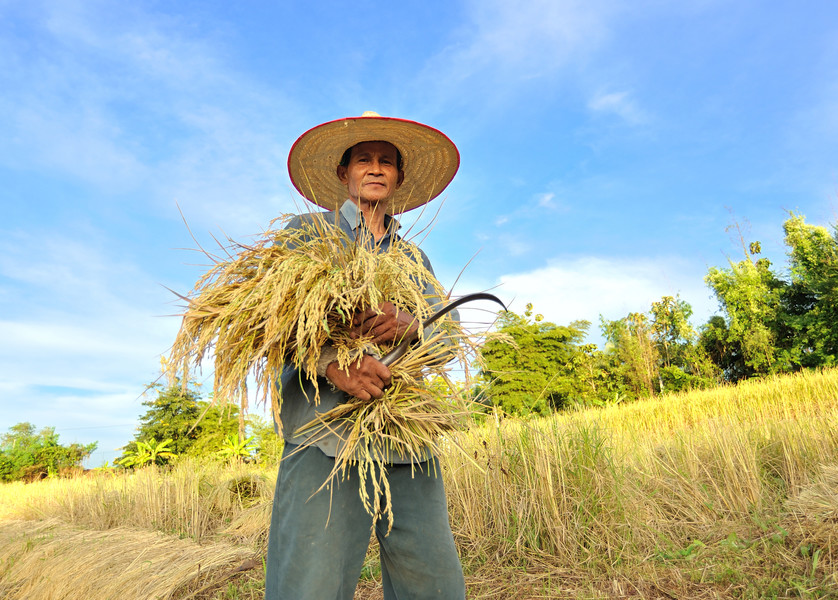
(544, 369)
(237, 449)
(151, 452)
(191, 425)
(772, 324)
(30, 455)
(811, 299)
(179, 422)
(630, 343)
(750, 293)
(657, 352)
(268, 444)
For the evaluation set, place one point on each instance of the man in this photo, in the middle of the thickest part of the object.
(364, 170)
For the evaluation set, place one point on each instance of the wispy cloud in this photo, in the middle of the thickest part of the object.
(550, 201)
(584, 287)
(76, 318)
(541, 204)
(512, 36)
(620, 104)
(125, 101)
(502, 44)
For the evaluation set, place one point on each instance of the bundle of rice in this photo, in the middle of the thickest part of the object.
(279, 301)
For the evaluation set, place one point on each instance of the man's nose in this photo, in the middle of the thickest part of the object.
(375, 166)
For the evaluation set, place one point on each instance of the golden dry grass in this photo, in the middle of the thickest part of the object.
(53, 561)
(196, 499)
(720, 478)
(727, 493)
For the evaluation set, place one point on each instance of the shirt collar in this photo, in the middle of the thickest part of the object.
(350, 211)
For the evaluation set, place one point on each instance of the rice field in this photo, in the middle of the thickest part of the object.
(724, 493)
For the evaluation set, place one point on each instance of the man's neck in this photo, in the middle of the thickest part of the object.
(374, 214)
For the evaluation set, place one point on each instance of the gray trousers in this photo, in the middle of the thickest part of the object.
(318, 542)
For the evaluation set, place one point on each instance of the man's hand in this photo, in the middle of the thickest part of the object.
(386, 324)
(365, 379)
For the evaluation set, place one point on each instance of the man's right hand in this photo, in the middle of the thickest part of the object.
(365, 379)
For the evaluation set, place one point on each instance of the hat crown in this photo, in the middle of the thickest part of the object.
(370, 113)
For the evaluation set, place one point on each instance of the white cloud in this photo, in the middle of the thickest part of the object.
(503, 43)
(538, 35)
(126, 101)
(530, 211)
(584, 287)
(80, 336)
(620, 104)
(514, 245)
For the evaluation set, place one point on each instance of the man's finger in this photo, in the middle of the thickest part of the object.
(360, 317)
(379, 372)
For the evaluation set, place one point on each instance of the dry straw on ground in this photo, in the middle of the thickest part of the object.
(279, 301)
(54, 561)
(727, 494)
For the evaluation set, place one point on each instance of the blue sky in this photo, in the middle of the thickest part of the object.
(606, 149)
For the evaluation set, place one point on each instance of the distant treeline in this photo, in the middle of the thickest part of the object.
(178, 423)
(29, 455)
(770, 324)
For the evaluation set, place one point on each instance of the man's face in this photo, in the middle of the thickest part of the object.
(372, 174)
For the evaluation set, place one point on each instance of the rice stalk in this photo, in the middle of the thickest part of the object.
(279, 301)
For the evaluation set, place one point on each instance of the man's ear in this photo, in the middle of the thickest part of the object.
(341, 173)
(400, 180)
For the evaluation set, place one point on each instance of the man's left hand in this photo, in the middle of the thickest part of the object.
(387, 323)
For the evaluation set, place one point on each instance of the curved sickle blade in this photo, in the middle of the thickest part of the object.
(401, 349)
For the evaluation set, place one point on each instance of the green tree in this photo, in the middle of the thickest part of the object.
(657, 352)
(537, 374)
(721, 350)
(811, 300)
(150, 452)
(629, 341)
(671, 330)
(268, 443)
(235, 448)
(25, 454)
(684, 364)
(138, 457)
(594, 369)
(216, 425)
(750, 294)
(194, 426)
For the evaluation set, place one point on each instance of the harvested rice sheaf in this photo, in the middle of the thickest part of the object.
(280, 300)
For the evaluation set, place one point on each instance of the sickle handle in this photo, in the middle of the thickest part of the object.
(401, 349)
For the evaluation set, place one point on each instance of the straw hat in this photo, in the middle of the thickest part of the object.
(429, 159)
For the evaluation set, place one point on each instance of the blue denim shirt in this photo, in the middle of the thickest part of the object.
(298, 408)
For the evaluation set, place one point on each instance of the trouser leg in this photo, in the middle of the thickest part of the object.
(309, 559)
(419, 560)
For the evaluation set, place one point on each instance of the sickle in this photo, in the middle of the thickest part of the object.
(401, 349)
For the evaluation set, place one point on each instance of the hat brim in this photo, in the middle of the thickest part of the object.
(430, 160)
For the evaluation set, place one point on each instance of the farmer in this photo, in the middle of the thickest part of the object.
(363, 170)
